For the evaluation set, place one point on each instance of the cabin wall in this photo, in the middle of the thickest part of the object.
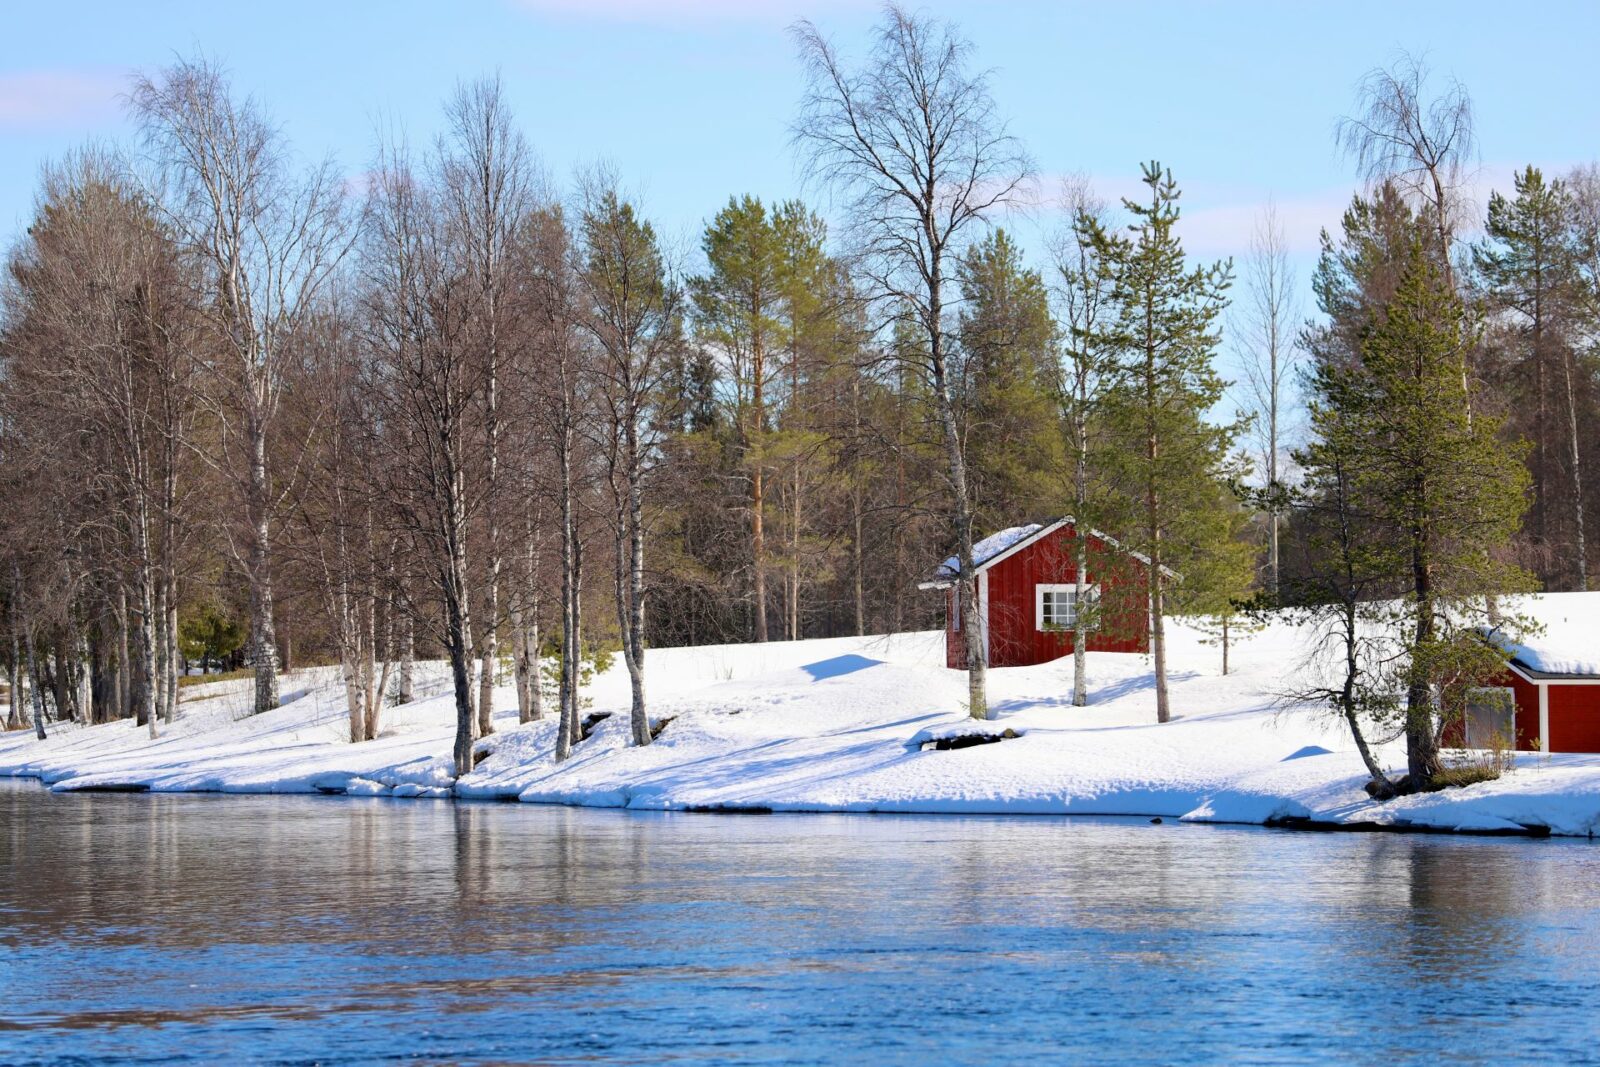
(1527, 695)
(1015, 640)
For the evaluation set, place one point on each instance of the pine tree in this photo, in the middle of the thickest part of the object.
(737, 307)
(1007, 350)
(1440, 491)
(1169, 461)
(1529, 267)
(1218, 565)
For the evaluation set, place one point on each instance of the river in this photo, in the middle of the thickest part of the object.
(213, 929)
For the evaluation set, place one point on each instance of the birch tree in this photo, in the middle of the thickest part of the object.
(562, 384)
(913, 143)
(1088, 370)
(420, 306)
(100, 366)
(269, 239)
(1268, 356)
(1424, 145)
(633, 313)
(487, 180)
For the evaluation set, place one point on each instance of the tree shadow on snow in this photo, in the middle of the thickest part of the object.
(838, 666)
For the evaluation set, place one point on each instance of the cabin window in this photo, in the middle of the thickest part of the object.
(1056, 606)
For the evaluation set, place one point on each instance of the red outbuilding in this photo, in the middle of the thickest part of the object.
(1027, 584)
(1547, 701)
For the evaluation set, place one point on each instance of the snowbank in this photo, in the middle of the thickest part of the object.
(845, 725)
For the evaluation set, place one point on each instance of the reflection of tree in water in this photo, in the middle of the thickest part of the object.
(568, 927)
(1467, 918)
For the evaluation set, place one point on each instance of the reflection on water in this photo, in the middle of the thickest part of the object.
(212, 929)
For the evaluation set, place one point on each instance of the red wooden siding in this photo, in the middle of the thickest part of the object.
(1014, 637)
(1574, 717)
(1527, 695)
(1574, 712)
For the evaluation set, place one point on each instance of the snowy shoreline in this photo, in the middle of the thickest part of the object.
(851, 725)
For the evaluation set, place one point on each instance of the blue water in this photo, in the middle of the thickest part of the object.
(339, 931)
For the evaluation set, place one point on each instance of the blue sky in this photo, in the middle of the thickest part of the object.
(691, 99)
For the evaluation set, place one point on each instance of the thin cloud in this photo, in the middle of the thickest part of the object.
(660, 12)
(58, 99)
(1225, 229)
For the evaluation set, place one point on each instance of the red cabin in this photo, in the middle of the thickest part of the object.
(1027, 578)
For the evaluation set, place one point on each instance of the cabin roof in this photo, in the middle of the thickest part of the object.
(1013, 539)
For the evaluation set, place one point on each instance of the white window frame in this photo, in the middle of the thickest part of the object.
(1091, 592)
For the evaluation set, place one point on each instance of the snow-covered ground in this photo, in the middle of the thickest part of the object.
(840, 725)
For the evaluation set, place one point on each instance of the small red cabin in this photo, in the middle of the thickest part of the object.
(1546, 701)
(1027, 583)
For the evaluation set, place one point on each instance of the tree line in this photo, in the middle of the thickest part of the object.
(462, 412)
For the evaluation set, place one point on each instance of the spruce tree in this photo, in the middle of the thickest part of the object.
(1169, 460)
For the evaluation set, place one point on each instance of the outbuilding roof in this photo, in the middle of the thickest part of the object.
(1561, 654)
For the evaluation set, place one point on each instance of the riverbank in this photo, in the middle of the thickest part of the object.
(849, 725)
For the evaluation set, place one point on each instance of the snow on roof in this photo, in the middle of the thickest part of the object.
(1555, 652)
(996, 545)
(989, 548)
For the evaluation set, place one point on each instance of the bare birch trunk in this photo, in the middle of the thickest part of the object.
(1573, 441)
(630, 578)
(408, 652)
(1080, 639)
(567, 688)
(263, 635)
(170, 712)
(36, 688)
(124, 684)
(19, 697)
(458, 624)
(972, 624)
(163, 665)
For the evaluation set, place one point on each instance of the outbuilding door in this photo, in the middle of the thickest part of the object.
(1491, 714)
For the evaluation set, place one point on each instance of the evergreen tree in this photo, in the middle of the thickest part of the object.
(1218, 568)
(1169, 460)
(737, 306)
(1439, 490)
(1007, 349)
(815, 340)
(1529, 266)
